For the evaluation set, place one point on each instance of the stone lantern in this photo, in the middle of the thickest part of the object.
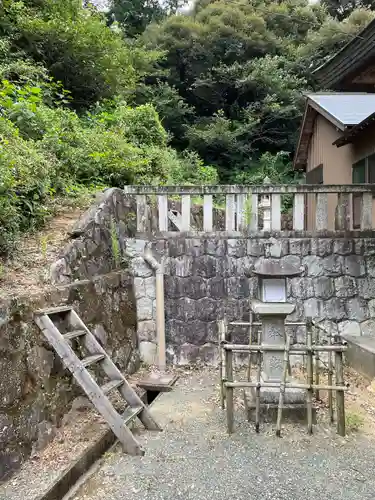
(272, 309)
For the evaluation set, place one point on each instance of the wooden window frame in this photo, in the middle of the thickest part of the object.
(366, 181)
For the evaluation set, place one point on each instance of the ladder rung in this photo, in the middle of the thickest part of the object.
(109, 386)
(74, 334)
(130, 413)
(92, 359)
(54, 310)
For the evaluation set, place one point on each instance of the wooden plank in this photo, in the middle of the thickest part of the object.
(276, 212)
(207, 213)
(130, 413)
(88, 384)
(158, 382)
(163, 212)
(141, 212)
(185, 212)
(230, 213)
(74, 334)
(54, 310)
(90, 360)
(111, 385)
(366, 213)
(299, 212)
(112, 372)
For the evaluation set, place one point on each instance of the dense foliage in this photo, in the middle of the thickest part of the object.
(236, 73)
(64, 118)
(145, 94)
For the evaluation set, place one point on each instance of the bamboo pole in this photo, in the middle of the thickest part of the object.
(221, 354)
(229, 390)
(282, 386)
(275, 348)
(340, 401)
(258, 323)
(330, 373)
(250, 332)
(288, 385)
(317, 365)
(309, 363)
(257, 393)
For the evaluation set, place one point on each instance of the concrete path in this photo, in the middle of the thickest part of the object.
(194, 458)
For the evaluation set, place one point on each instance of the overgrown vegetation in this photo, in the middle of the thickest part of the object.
(144, 94)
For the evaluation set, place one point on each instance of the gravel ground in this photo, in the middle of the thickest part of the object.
(194, 458)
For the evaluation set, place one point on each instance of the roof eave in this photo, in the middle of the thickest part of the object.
(335, 69)
(300, 164)
(353, 132)
(327, 115)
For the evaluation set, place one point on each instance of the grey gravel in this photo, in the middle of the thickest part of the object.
(195, 459)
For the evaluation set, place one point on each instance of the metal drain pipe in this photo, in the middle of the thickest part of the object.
(160, 318)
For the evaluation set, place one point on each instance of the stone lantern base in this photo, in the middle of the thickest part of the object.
(292, 412)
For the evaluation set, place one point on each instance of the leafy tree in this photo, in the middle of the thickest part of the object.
(75, 45)
(241, 69)
(133, 16)
(340, 9)
(330, 38)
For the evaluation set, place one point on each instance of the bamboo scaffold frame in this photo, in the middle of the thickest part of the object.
(311, 352)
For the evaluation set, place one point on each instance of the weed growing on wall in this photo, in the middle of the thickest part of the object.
(115, 244)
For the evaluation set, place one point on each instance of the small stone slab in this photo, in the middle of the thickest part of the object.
(158, 382)
(294, 413)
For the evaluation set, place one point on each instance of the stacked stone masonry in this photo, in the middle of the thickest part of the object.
(35, 389)
(209, 276)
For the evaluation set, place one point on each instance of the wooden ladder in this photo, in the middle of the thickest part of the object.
(46, 320)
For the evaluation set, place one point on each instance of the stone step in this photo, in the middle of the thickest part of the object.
(361, 354)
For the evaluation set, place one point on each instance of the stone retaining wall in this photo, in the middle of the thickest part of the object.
(209, 276)
(96, 245)
(35, 390)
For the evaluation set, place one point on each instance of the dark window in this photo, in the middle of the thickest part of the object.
(371, 169)
(363, 172)
(359, 172)
(315, 176)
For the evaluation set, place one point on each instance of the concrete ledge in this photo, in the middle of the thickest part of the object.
(295, 234)
(68, 478)
(361, 355)
(71, 475)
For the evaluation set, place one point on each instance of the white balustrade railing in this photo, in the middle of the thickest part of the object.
(245, 208)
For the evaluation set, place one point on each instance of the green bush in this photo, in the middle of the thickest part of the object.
(50, 150)
(25, 173)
